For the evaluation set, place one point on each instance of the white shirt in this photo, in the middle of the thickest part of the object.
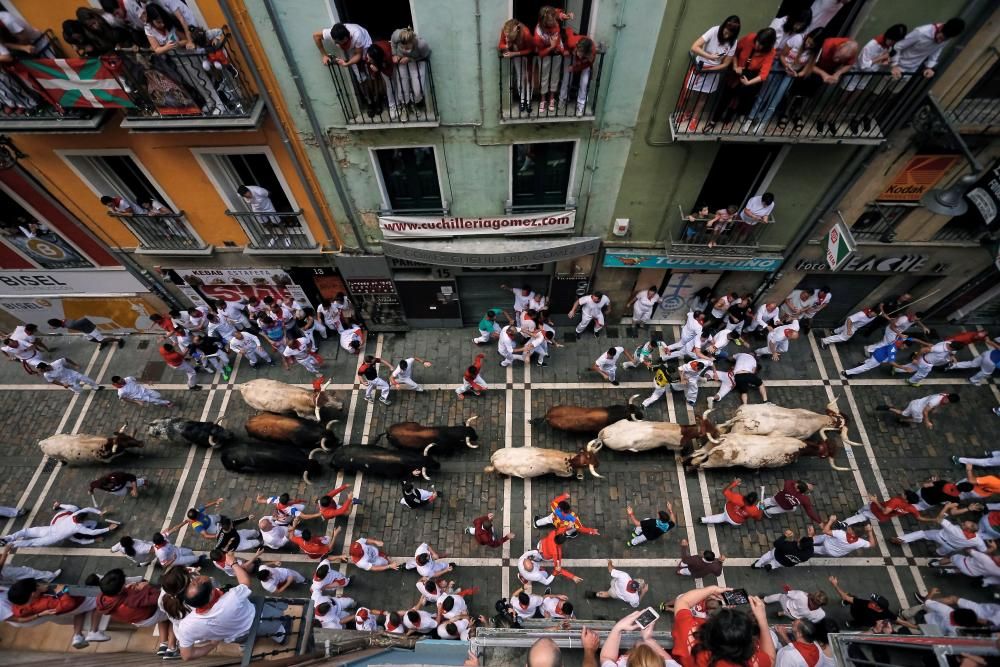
(818, 305)
(538, 302)
(142, 550)
(836, 545)
(505, 344)
(643, 304)
(350, 335)
(333, 579)
(428, 569)
(458, 609)
(534, 602)
(938, 354)
(823, 12)
(228, 620)
(872, 52)
(588, 307)
(918, 48)
(522, 301)
(796, 605)
(260, 200)
(223, 329)
(275, 538)
(619, 588)
(427, 595)
(359, 38)
(404, 373)
(533, 556)
(756, 206)
(714, 48)
(917, 406)
(691, 328)
(132, 390)
(955, 538)
(798, 303)
(370, 556)
(248, 342)
(176, 6)
(606, 364)
(59, 372)
(20, 334)
(549, 607)
(463, 630)
(300, 354)
(22, 352)
(987, 611)
(940, 615)
(764, 314)
(425, 625)
(279, 575)
(166, 553)
(744, 363)
(860, 318)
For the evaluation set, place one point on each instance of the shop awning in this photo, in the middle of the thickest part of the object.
(487, 252)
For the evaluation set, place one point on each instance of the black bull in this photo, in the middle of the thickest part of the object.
(285, 429)
(266, 458)
(446, 439)
(382, 462)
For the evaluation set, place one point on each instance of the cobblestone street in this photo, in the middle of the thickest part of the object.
(891, 458)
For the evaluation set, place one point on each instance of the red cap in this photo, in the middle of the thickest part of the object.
(357, 552)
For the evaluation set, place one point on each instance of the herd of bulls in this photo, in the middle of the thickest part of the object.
(294, 426)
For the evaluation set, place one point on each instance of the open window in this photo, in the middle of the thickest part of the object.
(526, 11)
(540, 174)
(736, 175)
(408, 177)
(380, 19)
(117, 174)
(229, 169)
(28, 234)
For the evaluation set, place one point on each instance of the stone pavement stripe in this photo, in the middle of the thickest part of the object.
(859, 480)
(508, 441)
(348, 431)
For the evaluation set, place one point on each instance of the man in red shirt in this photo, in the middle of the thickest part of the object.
(33, 602)
(550, 547)
(738, 509)
(135, 604)
(472, 380)
(482, 530)
(793, 494)
(315, 547)
(328, 507)
(179, 362)
(723, 624)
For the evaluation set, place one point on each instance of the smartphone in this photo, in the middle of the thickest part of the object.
(647, 617)
(735, 597)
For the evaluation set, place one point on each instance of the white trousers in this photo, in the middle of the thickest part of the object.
(768, 559)
(12, 573)
(581, 95)
(408, 382)
(923, 369)
(983, 363)
(186, 368)
(377, 385)
(840, 335)
(585, 320)
(721, 517)
(780, 347)
(888, 336)
(991, 462)
(655, 396)
(468, 387)
(75, 380)
(690, 388)
(255, 356)
(309, 363)
(865, 366)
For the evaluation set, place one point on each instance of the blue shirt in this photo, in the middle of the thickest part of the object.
(995, 357)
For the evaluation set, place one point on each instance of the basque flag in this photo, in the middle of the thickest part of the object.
(75, 82)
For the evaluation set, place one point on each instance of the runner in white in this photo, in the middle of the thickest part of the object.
(522, 297)
(607, 364)
(938, 354)
(67, 524)
(837, 543)
(643, 302)
(249, 346)
(403, 373)
(60, 372)
(690, 374)
(299, 350)
(529, 568)
(505, 346)
(276, 579)
(918, 411)
(623, 587)
(129, 389)
(592, 308)
(851, 325)
(767, 312)
(352, 339)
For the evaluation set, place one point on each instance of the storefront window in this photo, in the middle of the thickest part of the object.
(541, 174)
(410, 179)
(33, 239)
(879, 221)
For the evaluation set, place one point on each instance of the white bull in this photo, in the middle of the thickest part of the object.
(82, 448)
(760, 451)
(641, 436)
(534, 462)
(770, 419)
(274, 396)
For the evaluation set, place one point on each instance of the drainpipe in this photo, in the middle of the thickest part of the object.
(317, 129)
(255, 66)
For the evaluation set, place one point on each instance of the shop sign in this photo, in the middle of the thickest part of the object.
(985, 197)
(919, 175)
(414, 227)
(840, 246)
(501, 253)
(234, 284)
(110, 315)
(53, 283)
(640, 260)
(48, 250)
(877, 264)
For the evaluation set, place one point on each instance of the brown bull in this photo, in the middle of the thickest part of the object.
(588, 420)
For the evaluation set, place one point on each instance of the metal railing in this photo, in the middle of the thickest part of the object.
(732, 237)
(953, 231)
(978, 110)
(861, 106)
(282, 230)
(205, 82)
(369, 99)
(542, 88)
(170, 231)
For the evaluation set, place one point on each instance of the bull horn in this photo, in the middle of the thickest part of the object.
(211, 442)
(218, 422)
(313, 452)
(331, 423)
(122, 429)
(326, 384)
(322, 444)
(632, 398)
(823, 431)
(704, 415)
(316, 407)
(594, 445)
(468, 422)
(594, 472)
(428, 448)
(837, 467)
(469, 444)
(832, 405)
(714, 441)
(305, 477)
(423, 473)
(843, 436)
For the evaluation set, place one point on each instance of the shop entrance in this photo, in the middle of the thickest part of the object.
(479, 293)
(430, 303)
(849, 292)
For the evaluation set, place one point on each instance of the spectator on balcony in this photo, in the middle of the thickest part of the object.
(583, 54)
(752, 66)
(15, 98)
(99, 35)
(378, 58)
(719, 223)
(353, 41)
(23, 39)
(922, 47)
(410, 53)
(516, 44)
(872, 59)
(184, 15)
(836, 58)
(551, 50)
(757, 211)
(153, 206)
(713, 54)
(121, 206)
(796, 59)
(792, 59)
(258, 200)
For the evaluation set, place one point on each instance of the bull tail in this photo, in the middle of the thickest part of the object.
(537, 421)
(489, 470)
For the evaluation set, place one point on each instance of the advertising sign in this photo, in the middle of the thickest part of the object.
(55, 283)
(410, 227)
(625, 259)
(840, 246)
(985, 197)
(919, 175)
(111, 315)
(234, 284)
(47, 250)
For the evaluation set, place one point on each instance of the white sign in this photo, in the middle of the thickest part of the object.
(409, 227)
(110, 314)
(54, 283)
(840, 246)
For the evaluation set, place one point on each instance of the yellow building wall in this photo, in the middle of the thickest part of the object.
(165, 155)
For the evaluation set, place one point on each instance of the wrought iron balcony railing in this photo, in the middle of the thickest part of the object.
(721, 238)
(367, 99)
(547, 88)
(275, 231)
(170, 232)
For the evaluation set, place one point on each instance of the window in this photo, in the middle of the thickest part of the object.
(736, 175)
(526, 11)
(879, 221)
(380, 19)
(33, 238)
(541, 174)
(116, 175)
(230, 170)
(409, 178)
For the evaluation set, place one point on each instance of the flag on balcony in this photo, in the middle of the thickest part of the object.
(74, 82)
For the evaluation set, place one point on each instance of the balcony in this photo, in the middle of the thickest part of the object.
(976, 109)
(726, 240)
(862, 108)
(163, 234)
(188, 90)
(375, 101)
(522, 79)
(275, 232)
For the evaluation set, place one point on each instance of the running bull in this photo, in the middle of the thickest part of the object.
(188, 431)
(641, 436)
(266, 458)
(296, 431)
(764, 451)
(384, 462)
(274, 396)
(770, 419)
(446, 439)
(534, 462)
(80, 448)
(588, 420)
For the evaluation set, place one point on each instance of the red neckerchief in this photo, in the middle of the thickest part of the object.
(937, 29)
(881, 41)
(969, 534)
(808, 651)
(851, 538)
(216, 594)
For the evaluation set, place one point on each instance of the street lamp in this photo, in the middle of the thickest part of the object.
(951, 201)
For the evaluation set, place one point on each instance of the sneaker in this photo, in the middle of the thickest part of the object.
(535, 522)
(844, 374)
(196, 387)
(79, 642)
(996, 411)
(614, 383)
(919, 598)
(121, 342)
(552, 106)
(370, 399)
(103, 344)
(628, 544)
(976, 383)
(55, 574)
(590, 595)
(914, 384)
(580, 110)
(471, 530)
(597, 333)
(161, 649)
(100, 387)
(691, 403)
(172, 654)
(934, 562)
(578, 335)
(541, 107)
(548, 590)
(98, 636)
(385, 402)
(955, 460)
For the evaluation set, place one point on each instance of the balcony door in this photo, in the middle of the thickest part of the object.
(230, 168)
(117, 174)
(739, 172)
(380, 19)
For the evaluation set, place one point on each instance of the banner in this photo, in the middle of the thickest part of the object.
(919, 175)
(985, 197)
(74, 82)
(624, 259)
(78, 282)
(234, 284)
(110, 315)
(411, 227)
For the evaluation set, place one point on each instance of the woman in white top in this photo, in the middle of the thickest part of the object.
(713, 54)
(800, 51)
(778, 82)
(167, 37)
(643, 302)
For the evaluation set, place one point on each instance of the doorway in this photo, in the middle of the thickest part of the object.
(380, 19)
(736, 174)
(430, 303)
(849, 294)
(480, 293)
